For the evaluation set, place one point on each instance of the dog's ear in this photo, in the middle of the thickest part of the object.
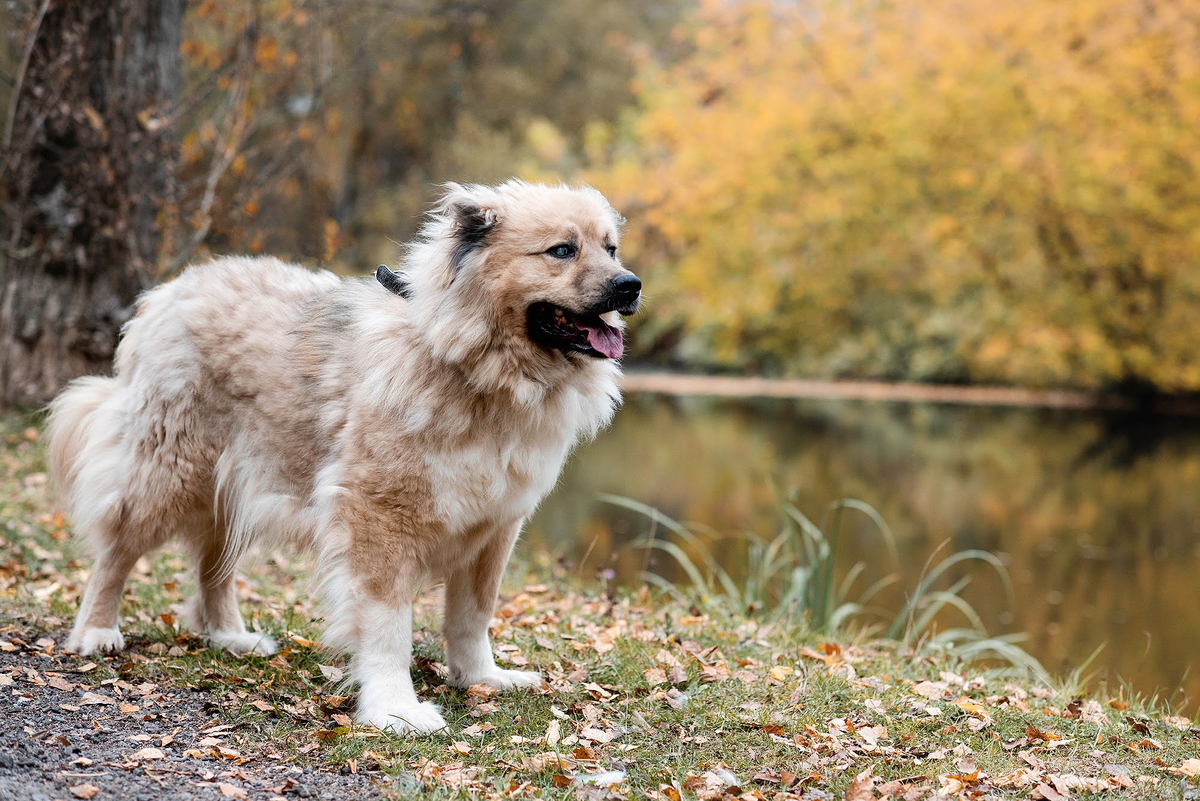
(471, 212)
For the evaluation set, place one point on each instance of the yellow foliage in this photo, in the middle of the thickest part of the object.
(1001, 192)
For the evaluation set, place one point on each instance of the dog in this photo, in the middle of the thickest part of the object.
(401, 430)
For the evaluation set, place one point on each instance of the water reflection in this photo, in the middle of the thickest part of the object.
(1096, 514)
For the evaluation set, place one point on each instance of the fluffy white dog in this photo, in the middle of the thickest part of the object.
(402, 432)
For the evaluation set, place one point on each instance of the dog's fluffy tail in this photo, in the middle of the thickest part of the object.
(71, 426)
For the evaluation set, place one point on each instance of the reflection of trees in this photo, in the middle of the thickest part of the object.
(1102, 544)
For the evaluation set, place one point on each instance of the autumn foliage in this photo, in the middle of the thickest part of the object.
(945, 190)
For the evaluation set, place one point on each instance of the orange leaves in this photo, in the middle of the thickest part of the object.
(967, 193)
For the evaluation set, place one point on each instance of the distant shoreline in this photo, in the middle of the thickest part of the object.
(750, 387)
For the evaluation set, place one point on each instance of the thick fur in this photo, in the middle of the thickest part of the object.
(404, 441)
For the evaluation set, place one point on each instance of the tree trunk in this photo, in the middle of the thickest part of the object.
(89, 172)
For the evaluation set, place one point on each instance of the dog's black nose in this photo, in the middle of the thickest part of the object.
(626, 286)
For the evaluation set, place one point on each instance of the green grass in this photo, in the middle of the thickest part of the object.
(790, 578)
(668, 692)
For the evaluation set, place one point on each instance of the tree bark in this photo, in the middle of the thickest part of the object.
(88, 175)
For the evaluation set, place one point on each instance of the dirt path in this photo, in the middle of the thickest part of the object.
(65, 734)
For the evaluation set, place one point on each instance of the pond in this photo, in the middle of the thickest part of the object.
(1096, 514)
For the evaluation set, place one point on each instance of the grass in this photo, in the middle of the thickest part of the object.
(790, 578)
(650, 689)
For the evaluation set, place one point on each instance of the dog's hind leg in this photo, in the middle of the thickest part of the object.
(470, 601)
(97, 627)
(213, 612)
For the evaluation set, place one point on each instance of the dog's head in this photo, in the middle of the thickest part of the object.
(528, 270)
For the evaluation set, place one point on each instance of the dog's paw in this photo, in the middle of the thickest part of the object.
(242, 643)
(418, 718)
(95, 641)
(502, 679)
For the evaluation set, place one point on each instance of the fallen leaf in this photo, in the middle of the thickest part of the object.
(871, 735)
(1137, 725)
(1047, 793)
(970, 707)
(1190, 767)
(148, 754)
(862, 788)
(933, 690)
(231, 790)
(84, 791)
(331, 673)
(596, 735)
(91, 698)
(1034, 733)
(552, 732)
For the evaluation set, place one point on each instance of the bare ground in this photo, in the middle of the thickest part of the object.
(65, 730)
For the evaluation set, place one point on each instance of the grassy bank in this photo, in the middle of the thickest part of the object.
(645, 696)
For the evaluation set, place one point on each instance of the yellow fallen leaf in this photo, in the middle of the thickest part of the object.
(970, 707)
(781, 672)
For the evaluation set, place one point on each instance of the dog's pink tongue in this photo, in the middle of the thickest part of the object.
(606, 339)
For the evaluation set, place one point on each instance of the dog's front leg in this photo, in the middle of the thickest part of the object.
(471, 593)
(381, 667)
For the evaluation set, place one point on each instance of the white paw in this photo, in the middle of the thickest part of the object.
(241, 643)
(501, 679)
(96, 641)
(414, 718)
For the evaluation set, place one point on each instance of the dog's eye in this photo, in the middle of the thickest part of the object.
(612, 251)
(563, 251)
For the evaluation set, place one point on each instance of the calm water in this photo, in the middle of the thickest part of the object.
(1097, 515)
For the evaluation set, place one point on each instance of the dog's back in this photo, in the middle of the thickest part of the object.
(137, 453)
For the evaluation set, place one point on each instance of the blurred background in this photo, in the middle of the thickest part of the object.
(995, 194)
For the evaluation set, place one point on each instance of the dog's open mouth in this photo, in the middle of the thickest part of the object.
(557, 328)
